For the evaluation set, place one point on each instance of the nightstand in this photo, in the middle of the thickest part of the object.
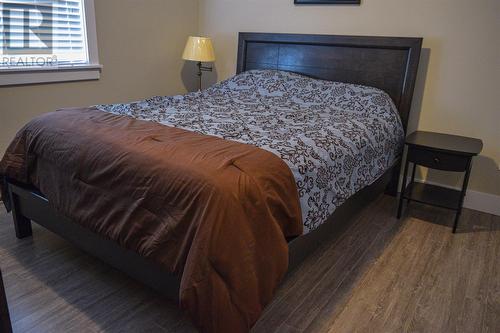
(443, 152)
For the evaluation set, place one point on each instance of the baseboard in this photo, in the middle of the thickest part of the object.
(483, 202)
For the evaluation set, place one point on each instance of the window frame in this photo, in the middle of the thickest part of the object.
(62, 73)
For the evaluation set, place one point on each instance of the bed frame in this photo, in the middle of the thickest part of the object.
(388, 63)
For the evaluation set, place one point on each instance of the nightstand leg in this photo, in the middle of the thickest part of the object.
(412, 180)
(457, 218)
(403, 189)
(462, 195)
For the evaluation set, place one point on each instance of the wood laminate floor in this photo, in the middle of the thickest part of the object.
(377, 275)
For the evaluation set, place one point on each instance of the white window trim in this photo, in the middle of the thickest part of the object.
(77, 72)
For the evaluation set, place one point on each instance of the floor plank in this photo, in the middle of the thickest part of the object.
(379, 274)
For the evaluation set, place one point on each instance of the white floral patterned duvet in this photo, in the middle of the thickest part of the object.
(336, 138)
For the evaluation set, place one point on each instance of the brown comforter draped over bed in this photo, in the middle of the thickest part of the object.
(216, 212)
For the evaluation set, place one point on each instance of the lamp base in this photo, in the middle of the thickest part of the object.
(202, 69)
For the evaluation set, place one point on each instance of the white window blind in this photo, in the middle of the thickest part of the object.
(42, 33)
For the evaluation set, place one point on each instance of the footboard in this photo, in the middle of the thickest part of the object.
(29, 205)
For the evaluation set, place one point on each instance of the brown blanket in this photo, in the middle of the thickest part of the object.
(216, 212)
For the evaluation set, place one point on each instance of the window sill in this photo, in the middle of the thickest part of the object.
(34, 75)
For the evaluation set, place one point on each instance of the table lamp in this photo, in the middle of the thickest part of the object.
(199, 49)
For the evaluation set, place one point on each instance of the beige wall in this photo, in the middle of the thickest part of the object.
(460, 66)
(140, 45)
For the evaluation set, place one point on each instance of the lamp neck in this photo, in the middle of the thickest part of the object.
(202, 69)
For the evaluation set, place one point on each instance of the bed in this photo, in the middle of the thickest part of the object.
(288, 90)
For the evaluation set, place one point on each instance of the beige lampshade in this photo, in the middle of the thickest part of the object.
(199, 49)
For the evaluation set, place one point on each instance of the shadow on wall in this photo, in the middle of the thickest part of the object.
(418, 95)
(190, 78)
(416, 105)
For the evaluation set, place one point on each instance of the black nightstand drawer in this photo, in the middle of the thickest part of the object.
(437, 160)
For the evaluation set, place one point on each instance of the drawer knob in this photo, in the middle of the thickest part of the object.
(436, 160)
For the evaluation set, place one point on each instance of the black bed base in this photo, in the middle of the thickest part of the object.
(29, 205)
(301, 247)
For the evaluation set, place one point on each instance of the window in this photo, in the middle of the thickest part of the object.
(47, 41)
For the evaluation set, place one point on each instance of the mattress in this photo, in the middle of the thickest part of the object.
(335, 137)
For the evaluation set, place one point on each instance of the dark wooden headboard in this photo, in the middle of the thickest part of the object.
(387, 63)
